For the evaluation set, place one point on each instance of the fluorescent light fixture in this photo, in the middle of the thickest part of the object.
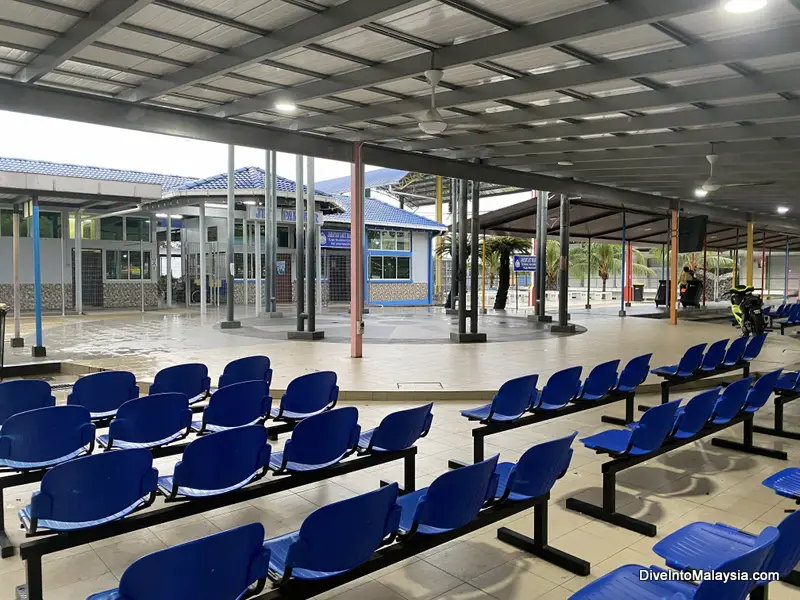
(782, 210)
(216, 205)
(744, 6)
(176, 216)
(565, 163)
(161, 215)
(285, 106)
(700, 193)
(250, 202)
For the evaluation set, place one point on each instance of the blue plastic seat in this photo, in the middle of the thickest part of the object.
(148, 422)
(307, 395)
(103, 393)
(218, 463)
(336, 538)
(43, 437)
(627, 583)
(646, 436)
(536, 471)
(217, 567)
(190, 379)
(600, 381)
(754, 347)
(319, 441)
(787, 382)
(691, 419)
(714, 356)
(397, 431)
(510, 402)
(451, 501)
(705, 546)
(786, 483)
(687, 366)
(92, 490)
(634, 374)
(249, 368)
(560, 388)
(735, 352)
(235, 405)
(762, 389)
(24, 394)
(731, 401)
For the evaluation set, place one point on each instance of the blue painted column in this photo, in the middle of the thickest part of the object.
(38, 350)
(622, 312)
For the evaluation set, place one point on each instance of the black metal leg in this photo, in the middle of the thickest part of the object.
(477, 448)
(410, 473)
(747, 444)
(778, 430)
(792, 578)
(6, 547)
(538, 544)
(456, 464)
(746, 370)
(664, 391)
(760, 593)
(32, 590)
(629, 418)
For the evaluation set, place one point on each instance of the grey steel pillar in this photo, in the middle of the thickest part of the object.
(245, 261)
(64, 262)
(78, 262)
(541, 257)
(622, 312)
(589, 275)
(319, 267)
(169, 261)
(269, 265)
(563, 325)
(451, 310)
(462, 257)
(299, 246)
(203, 234)
(185, 267)
(18, 341)
(273, 243)
(785, 271)
(473, 266)
(259, 281)
(230, 298)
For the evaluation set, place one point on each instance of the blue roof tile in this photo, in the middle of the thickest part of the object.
(381, 213)
(246, 178)
(372, 179)
(41, 167)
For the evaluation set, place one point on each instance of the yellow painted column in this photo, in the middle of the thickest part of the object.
(438, 238)
(673, 271)
(749, 266)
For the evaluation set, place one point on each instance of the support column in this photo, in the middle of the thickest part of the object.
(245, 261)
(318, 246)
(769, 272)
(763, 259)
(439, 193)
(38, 350)
(64, 261)
(141, 270)
(78, 263)
(18, 341)
(299, 245)
(185, 268)
(462, 257)
(589, 275)
(259, 281)
(483, 274)
(673, 268)
(716, 278)
(541, 257)
(748, 268)
(705, 268)
(230, 299)
(473, 336)
(474, 235)
(454, 195)
(203, 274)
(563, 326)
(624, 257)
(735, 274)
(269, 264)
(357, 252)
(786, 272)
(271, 237)
(628, 274)
(169, 261)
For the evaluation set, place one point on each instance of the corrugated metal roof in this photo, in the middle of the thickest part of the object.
(41, 167)
(381, 213)
(372, 179)
(245, 178)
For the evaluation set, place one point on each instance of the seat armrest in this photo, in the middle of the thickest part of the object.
(41, 505)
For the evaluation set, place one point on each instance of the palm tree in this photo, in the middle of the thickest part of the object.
(693, 260)
(606, 260)
(492, 266)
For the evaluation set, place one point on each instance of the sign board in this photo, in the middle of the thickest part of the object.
(285, 215)
(280, 267)
(525, 263)
(334, 238)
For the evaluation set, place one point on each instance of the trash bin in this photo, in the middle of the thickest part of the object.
(638, 292)
(3, 313)
(662, 295)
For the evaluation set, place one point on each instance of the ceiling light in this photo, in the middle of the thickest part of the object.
(250, 202)
(700, 193)
(285, 107)
(176, 216)
(161, 215)
(565, 163)
(782, 210)
(215, 205)
(744, 6)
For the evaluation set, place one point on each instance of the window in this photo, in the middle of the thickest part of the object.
(112, 264)
(212, 234)
(390, 267)
(136, 265)
(137, 229)
(49, 225)
(237, 233)
(146, 265)
(283, 237)
(7, 224)
(123, 264)
(238, 265)
(389, 240)
(111, 228)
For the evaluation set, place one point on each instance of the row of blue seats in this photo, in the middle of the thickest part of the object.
(672, 420)
(100, 488)
(782, 311)
(699, 360)
(341, 536)
(520, 395)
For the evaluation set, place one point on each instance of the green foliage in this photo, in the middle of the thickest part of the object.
(694, 260)
(606, 260)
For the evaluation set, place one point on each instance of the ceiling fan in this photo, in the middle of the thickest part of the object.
(431, 121)
(712, 185)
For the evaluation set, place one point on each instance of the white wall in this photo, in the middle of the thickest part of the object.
(420, 256)
(50, 260)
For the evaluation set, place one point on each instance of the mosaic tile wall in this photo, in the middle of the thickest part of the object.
(129, 295)
(51, 296)
(379, 292)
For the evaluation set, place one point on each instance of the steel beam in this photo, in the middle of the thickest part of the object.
(593, 21)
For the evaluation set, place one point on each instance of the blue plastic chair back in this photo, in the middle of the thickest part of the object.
(45, 434)
(749, 562)
(654, 426)
(222, 565)
(761, 391)
(190, 379)
(456, 497)
(539, 468)
(601, 379)
(691, 360)
(561, 387)
(249, 368)
(148, 419)
(787, 548)
(345, 534)
(95, 487)
(515, 396)
(634, 373)
(323, 438)
(310, 393)
(238, 404)
(754, 347)
(697, 412)
(223, 460)
(732, 399)
(735, 351)
(24, 394)
(403, 428)
(103, 393)
(714, 355)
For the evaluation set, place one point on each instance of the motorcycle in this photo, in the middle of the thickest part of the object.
(747, 309)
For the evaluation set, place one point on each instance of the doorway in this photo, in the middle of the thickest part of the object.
(91, 277)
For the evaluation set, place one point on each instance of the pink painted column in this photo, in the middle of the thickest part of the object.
(356, 251)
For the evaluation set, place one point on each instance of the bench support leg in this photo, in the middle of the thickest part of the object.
(760, 593)
(32, 590)
(792, 578)
(538, 544)
(456, 464)
(664, 396)
(6, 547)
(778, 430)
(629, 418)
(409, 475)
(608, 512)
(747, 444)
